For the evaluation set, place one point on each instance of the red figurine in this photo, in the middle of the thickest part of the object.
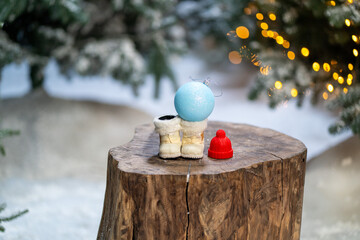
(220, 146)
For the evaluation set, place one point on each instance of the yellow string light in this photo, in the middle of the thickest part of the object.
(275, 34)
(264, 25)
(259, 16)
(265, 70)
(345, 90)
(286, 44)
(350, 66)
(264, 33)
(341, 80)
(325, 96)
(270, 33)
(335, 76)
(279, 40)
(355, 52)
(272, 16)
(278, 85)
(350, 1)
(242, 32)
(305, 52)
(354, 38)
(316, 66)
(332, 3)
(347, 22)
(349, 81)
(291, 55)
(330, 87)
(350, 76)
(326, 67)
(294, 92)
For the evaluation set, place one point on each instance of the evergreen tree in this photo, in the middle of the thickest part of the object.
(306, 48)
(121, 38)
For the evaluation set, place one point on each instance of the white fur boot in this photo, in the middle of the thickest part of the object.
(168, 127)
(193, 138)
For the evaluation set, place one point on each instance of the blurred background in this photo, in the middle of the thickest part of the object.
(78, 76)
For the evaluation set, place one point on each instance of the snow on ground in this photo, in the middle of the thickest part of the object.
(66, 208)
(309, 124)
(58, 209)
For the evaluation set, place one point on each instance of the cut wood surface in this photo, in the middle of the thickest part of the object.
(257, 194)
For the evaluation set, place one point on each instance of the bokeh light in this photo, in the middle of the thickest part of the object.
(247, 11)
(326, 67)
(355, 52)
(264, 70)
(347, 22)
(280, 40)
(354, 38)
(335, 76)
(242, 32)
(330, 87)
(294, 92)
(286, 44)
(316, 66)
(340, 80)
(235, 57)
(259, 16)
(264, 33)
(270, 33)
(305, 52)
(291, 55)
(272, 16)
(349, 81)
(278, 85)
(264, 25)
(350, 66)
(325, 95)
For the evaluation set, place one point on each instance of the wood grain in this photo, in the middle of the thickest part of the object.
(257, 194)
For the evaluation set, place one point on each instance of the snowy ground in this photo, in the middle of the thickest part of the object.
(70, 208)
(59, 209)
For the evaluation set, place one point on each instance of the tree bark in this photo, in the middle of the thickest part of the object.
(257, 194)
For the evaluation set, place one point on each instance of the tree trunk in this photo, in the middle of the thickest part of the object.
(255, 195)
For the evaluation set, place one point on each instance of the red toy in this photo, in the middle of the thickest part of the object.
(220, 146)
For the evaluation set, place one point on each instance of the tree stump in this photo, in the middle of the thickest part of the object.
(255, 195)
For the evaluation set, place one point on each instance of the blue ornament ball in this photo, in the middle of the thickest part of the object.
(194, 101)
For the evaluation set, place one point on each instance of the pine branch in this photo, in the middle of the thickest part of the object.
(6, 133)
(159, 66)
(349, 106)
(11, 217)
(2, 207)
(14, 216)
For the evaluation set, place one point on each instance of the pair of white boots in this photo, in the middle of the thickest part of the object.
(171, 145)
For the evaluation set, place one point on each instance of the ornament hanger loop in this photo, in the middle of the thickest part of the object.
(208, 83)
